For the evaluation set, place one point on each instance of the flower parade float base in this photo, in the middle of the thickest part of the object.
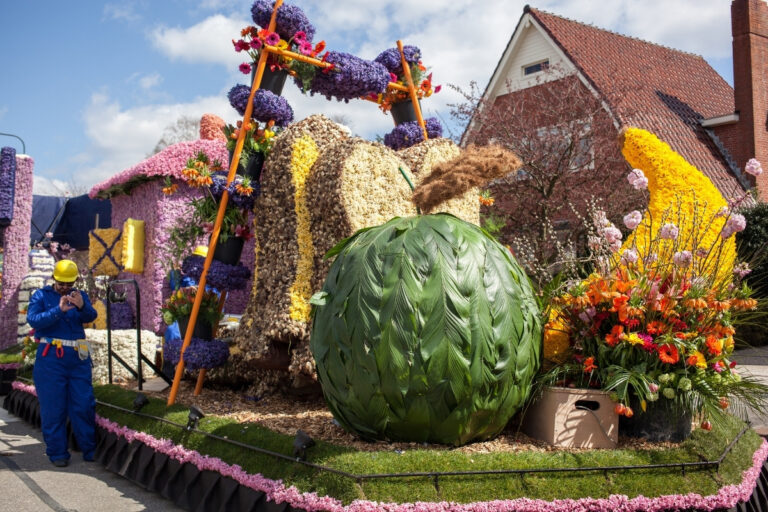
(187, 468)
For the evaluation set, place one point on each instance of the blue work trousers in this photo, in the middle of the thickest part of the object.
(64, 388)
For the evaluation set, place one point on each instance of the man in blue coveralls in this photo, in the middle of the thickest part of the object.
(63, 365)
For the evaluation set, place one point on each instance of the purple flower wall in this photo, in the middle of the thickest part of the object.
(147, 202)
(16, 251)
(7, 184)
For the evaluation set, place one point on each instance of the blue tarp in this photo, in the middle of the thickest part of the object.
(46, 213)
(69, 219)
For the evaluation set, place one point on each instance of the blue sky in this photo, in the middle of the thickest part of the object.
(91, 85)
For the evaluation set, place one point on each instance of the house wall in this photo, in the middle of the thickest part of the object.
(16, 252)
(749, 25)
(533, 47)
(160, 213)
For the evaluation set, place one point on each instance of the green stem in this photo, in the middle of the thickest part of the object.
(410, 184)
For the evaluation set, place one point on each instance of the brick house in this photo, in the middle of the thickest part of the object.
(671, 93)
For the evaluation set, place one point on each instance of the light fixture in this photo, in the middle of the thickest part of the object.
(140, 401)
(301, 442)
(194, 416)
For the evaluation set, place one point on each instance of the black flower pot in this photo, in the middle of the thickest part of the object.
(240, 169)
(662, 421)
(203, 330)
(403, 111)
(6, 379)
(229, 252)
(253, 169)
(271, 80)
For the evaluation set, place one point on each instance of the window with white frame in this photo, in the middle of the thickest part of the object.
(536, 67)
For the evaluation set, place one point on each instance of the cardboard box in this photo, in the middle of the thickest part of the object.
(573, 418)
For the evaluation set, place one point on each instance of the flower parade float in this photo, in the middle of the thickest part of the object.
(424, 329)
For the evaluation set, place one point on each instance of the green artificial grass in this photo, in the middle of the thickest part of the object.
(701, 446)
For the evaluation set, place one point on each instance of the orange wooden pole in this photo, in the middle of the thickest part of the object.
(201, 374)
(297, 56)
(220, 215)
(412, 90)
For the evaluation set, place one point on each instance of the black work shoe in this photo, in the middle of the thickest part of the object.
(60, 463)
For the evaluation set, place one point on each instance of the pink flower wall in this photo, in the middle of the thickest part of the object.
(160, 212)
(16, 251)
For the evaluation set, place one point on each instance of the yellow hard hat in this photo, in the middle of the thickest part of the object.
(201, 250)
(65, 271)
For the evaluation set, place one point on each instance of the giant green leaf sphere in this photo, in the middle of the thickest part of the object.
(426, 330)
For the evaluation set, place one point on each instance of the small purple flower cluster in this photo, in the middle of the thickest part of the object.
(409, 133)
(350, 78)
(7, 184)
(199, 354)
(237, 199)
(220, 275)
(390, 58)
(267, 106)
(121, 316)
(290, 19)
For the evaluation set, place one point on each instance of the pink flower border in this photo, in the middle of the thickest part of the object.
(10, 366)
(728, 496)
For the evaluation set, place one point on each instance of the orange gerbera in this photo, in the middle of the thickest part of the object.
(668, 353)
(615, 335)
(589, 365)
(697, 359)
(714, 345)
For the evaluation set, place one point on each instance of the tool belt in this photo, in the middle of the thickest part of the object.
(83, 347)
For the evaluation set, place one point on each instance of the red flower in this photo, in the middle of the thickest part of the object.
(614, 337)
(668, 353)
(589, 365)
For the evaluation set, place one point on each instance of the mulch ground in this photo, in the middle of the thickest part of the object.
(287, 415)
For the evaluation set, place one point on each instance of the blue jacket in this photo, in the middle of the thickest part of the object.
(49, 321)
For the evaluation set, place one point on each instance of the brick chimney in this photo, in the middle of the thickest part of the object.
(749, 26)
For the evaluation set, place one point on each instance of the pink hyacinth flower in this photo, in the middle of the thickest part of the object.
(753, 167)
(633, 219)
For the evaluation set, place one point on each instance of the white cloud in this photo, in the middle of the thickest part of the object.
(207, 41)
(121, 11)
(3, 111)
(150, 81)
(121, 137)
(42, 186)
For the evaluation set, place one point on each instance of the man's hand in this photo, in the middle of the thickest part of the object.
(64, 303)
(76, 298)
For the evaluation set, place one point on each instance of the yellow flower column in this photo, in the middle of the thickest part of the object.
(304, 155)
(672, 181)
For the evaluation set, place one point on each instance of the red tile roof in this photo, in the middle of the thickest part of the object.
(653, 87)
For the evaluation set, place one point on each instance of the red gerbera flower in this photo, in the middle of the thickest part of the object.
(668, 353)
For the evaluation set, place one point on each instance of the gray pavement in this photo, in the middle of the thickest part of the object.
(30, 483)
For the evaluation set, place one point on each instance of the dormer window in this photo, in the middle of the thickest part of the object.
(536, 67)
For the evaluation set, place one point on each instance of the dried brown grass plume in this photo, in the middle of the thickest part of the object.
(474, 167)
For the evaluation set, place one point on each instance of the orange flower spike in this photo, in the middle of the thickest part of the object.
(319, 47)
(589, 365)
(246, 31)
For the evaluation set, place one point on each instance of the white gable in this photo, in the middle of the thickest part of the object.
(529, 45)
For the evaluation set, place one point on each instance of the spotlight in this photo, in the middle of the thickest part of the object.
(140, 401)
(301, 443)
(194, 417)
